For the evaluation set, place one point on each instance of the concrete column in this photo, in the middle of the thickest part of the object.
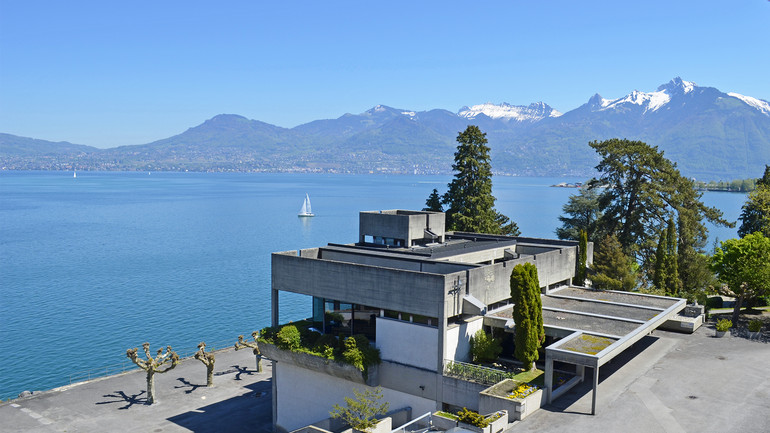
(548, 376)
(442, 328)
(596, 385)
(273, 366)
(274, 307)
(580, 370)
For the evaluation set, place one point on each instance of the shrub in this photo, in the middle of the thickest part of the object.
(723, 325)
(484, 348)
(288, 338)
(714, 302)
(472, 418)
(361, 412)
(755, 325)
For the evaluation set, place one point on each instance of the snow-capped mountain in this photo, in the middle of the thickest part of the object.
(674, 90)
(506, 112)
(708, 133)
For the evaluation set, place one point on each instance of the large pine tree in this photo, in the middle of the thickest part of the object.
(471, 205)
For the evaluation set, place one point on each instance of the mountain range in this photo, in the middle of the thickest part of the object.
(710, 134)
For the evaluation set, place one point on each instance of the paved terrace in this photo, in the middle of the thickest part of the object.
(240, 401)
(666, 382)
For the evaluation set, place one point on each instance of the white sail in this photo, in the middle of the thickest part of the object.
(306, 210)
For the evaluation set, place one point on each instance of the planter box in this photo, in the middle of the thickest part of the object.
(495, 426)
(720, 334)
(442, 422)
(753, 335)
(317, 363)
(495, 399)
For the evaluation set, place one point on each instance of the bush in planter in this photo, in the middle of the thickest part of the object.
(755, 325)
(723, 325)
(473, 418)
(288, 338)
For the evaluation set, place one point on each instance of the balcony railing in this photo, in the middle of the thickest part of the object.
(475, 373)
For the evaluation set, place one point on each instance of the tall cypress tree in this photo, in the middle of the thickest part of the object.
(471, 205)
(672, 282)
(580, 269)
(527, 313)
(659, 272)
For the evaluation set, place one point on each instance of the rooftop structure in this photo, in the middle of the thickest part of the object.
(419, 293)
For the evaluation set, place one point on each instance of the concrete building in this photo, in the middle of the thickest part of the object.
(417, 292)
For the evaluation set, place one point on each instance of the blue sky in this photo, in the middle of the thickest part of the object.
(114, 73)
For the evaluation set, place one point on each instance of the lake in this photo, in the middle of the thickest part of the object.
(94, 265)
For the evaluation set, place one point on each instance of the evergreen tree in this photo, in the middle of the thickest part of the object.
(433, 203)
(659, 275)
(755, 213)
(580, 269)
(672, 282)
(469, 197)
(527, 313)
(581, 212)
(612, 268)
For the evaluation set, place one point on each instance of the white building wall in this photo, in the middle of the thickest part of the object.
(306, 396)
(408, 343)
(458, 340)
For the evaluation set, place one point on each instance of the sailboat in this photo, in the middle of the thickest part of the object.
(75, 174)
(306, 210)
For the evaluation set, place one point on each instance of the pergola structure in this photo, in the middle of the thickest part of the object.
(593, 326)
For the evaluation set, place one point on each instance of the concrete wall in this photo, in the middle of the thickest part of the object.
(458, 340)
(393, 289)
(399, 224)
(305, 396)
(461, 393)
(408, 343)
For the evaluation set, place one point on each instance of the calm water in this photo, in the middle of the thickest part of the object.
(92, 266)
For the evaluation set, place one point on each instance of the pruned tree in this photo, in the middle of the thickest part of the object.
(361, 413)
(529, 333)
(242, 344)
(208, 359)
(153, 365)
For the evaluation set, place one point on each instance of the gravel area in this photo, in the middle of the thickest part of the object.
(602, 308)
(625, 298)
(588, 323)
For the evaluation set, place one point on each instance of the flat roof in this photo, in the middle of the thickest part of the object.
(616, 318)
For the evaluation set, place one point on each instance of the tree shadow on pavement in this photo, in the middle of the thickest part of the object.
(187, 384)
(242, 370)
(122, 397)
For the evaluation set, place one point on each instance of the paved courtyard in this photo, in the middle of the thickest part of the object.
(667, 382)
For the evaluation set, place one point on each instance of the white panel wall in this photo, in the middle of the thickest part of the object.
(306, 396)
(458, 340)
(408, 343)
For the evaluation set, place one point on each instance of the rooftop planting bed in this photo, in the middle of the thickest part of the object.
(588, 344)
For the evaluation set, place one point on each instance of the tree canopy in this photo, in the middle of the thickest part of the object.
(581, 212)
(744, 266)
(641, 191)
(469, 199)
